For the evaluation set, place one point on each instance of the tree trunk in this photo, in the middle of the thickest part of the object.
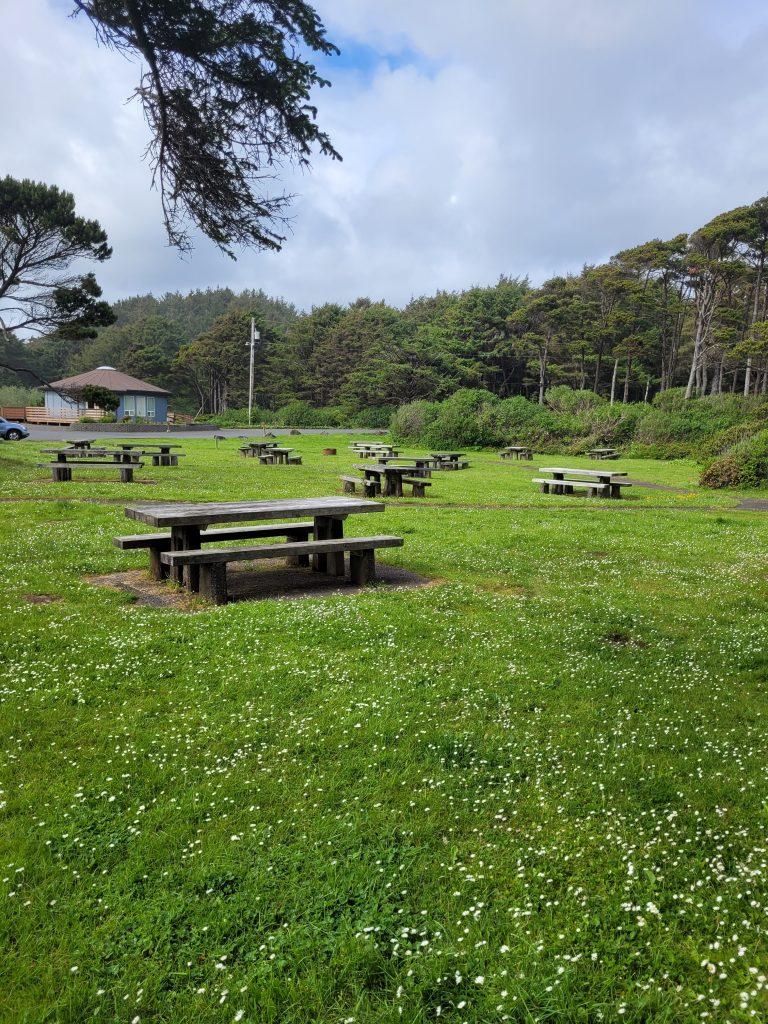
(647, 390)
(542, 373)
(626, 380)
(613, 380)
(706, 301)
(748, 376)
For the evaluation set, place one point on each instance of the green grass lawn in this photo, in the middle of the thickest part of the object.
(537, 791)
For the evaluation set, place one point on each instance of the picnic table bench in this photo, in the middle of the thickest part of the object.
(593, 481)
(449, 460)
(516, 451)
(206, 570)
(89, 454)
(603, 453)
(61, 470)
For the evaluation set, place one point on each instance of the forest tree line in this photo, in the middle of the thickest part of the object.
(688, 312)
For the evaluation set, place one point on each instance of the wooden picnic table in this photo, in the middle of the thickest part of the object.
(186, 520)
(603, 453)
(419, 463)
(160, 451)
(81, 442)
(280, 455)
(373, 450)
(448, 460)
(602, 476)
(390, 477)
(260, 445)
(517, 451)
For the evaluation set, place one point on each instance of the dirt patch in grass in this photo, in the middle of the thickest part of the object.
(261, 583)
(754, 504)
(620, 639)
(40, 598)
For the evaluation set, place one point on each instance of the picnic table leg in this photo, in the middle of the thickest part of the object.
(329, 528)
(182, 539)
(157, 569)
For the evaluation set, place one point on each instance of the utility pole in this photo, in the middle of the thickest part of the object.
(254, 338)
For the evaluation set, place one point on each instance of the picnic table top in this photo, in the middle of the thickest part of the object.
(405, 458)
(519, 448)
(261, 444)
(602, 449)
(581, 472)
(374, 467)
(204, 513)
(447, 455)
(145, 444)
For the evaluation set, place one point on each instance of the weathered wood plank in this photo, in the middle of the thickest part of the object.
(201, 514)
(246, 554)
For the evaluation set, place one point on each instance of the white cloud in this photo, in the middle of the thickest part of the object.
(512, 136)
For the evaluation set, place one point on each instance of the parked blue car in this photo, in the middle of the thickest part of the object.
(10, 431)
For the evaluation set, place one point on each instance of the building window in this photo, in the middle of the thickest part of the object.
(139, 406)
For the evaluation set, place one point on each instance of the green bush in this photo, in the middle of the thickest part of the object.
(569, 400)
(409, 423)
(13, 395)
(743, 465)
(377, 417)
(572, 422)
(301, 414)
(465, 419)
(721, 442)
(518, 421)
(239, 418)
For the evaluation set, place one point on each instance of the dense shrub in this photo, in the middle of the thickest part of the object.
(377, 417)
(721, 442)
(409, 423)
(239, 418)
(301, 414)
(517, 420)
(465, 419)
(569, 400)
(743, 465)
(574, 421)
(13, 395)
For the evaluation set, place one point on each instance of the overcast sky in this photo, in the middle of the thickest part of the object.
(501, 137)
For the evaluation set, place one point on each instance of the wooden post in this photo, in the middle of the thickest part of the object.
(213, 582)
(157, 569)
(182, 539)
(126, 474)
(301, 560)
(329, 528)
(362, 566)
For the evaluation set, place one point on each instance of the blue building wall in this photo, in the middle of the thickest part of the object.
(134, 406)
